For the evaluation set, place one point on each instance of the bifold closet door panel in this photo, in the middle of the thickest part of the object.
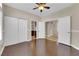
(22, 30)
(0, 25)
(15, 30)
(64, 30)
(41, 30)
(10, 30)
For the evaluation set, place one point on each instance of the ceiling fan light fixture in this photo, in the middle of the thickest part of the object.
(41, 6)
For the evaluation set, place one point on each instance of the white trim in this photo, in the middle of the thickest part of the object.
(15, 43)
(75, 47)
(40, 38)
(71, 46)
(75, 31)
(2, 50)
(28, 40)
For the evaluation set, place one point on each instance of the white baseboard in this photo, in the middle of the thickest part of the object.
(40, 38)
(72, 46)
(29, 40)
(9, 44)
(75, 47)
(2, 50)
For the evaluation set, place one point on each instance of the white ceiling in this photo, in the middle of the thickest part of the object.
(28, 7)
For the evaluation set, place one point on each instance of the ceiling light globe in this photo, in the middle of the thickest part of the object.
(41, 8)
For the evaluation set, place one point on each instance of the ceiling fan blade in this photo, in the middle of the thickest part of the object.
(35, 8)
(38, 3)
(46, 7)
(43, 3)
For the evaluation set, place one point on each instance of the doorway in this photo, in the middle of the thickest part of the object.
(51, 30)
(59, 30)
(33, 30)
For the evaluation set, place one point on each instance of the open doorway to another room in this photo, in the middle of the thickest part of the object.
(51, 30)
(33, 30)
(59, 30)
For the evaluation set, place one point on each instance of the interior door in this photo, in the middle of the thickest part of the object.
(64, 30)
(0, 25)
(41, 30)
(10, 30)
(22, 30)
(15, 30)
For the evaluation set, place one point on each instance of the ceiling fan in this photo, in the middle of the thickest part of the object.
(41, 6)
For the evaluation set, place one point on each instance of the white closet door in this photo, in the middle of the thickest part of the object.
(64, 30)
(0, 25)
(22, 30)
(10, 30)
(41, 30)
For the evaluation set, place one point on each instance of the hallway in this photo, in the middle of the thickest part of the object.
(40, 47)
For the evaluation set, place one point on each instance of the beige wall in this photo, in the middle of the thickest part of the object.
(9, 11)
(0, 8)
(72, 11)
